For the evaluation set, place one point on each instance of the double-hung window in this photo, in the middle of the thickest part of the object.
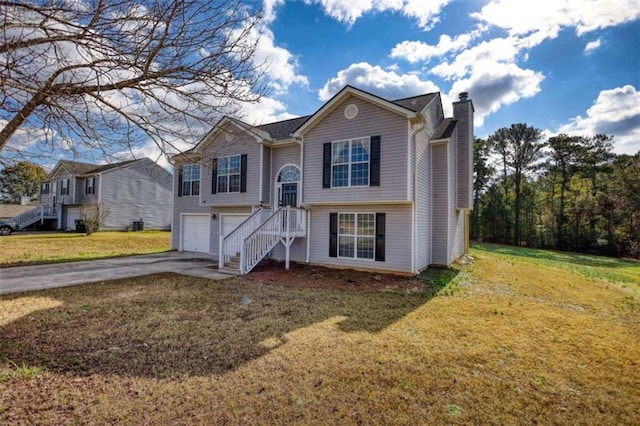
(356, 235)
(350, 163)
(90, 186)
(228, 174)
(44, 189)
(190, 184)
(64, 187)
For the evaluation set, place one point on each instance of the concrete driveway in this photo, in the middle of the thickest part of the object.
(38, 277)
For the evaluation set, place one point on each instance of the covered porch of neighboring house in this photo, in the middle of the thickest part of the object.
(242, 249)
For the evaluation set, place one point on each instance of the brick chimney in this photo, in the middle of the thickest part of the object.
(463, 113)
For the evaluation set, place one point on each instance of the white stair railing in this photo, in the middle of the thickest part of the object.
(29, 217)
(231, 244)
(285, 224)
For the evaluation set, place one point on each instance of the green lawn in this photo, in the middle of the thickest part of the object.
(51, 247)
(513, 337)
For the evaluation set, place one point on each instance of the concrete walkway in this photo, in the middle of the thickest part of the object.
(38, 277)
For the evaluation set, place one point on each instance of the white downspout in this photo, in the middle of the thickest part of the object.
(413, 204)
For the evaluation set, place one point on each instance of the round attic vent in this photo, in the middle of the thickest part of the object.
(350, 111)
(228, 136)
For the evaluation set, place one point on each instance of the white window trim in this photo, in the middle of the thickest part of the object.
(91, 187)
(191, 181)
(64, 189)
(349, 163)
(278, 185)
(228, 175)
(355, 239)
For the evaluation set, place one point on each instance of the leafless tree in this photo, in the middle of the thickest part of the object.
(95, 78)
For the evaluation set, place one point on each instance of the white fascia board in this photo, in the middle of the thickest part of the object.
(338, 98)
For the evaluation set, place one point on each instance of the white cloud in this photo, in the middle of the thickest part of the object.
(267, 110)
(616, 112)
(545, 18)
(269, 10)
(374, 79)
(425, 12)
(496, 86)
(415, 51)
(279, 65)
(592, 45)
(481, 56)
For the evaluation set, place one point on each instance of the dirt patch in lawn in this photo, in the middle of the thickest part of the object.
(271, 272)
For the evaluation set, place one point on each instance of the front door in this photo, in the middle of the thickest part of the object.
(289, 195)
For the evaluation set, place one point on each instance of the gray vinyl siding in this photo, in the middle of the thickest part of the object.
(440, 204)
(371, 120)
(297, 251)
(423, 199)
(288, 154)
(141, 190)
(241, 144)
(451, 160)
(464, 154)
(266, 173)
(397, 237)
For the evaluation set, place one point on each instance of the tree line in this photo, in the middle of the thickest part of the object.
(564, 193)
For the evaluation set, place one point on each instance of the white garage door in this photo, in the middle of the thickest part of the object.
(73, 213)
(231, 222)
(195, 233)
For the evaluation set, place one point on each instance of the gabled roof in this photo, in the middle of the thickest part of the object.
(288, 129)
(399, 108)
(104, 168)
(416, 103)
(78, 168)
(281, 130)
(445, 129)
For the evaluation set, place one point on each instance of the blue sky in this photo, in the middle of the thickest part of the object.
(562, 66)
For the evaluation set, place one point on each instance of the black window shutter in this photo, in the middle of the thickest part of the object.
(374, 162)
(326, 165)
(243, 173)
(333, 234)
(180, 181)
(86, 186)
(380, 231)
(214, 176)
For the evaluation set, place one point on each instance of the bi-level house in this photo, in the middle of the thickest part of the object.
(364, 182)
(124, 192)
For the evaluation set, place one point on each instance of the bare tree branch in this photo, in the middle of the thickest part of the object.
(104, 77)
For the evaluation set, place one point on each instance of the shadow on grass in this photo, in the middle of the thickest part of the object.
(557, 256)
(169, 325)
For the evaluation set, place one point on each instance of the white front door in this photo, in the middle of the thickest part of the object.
(73, 214)
(195, 232)
(230, 222)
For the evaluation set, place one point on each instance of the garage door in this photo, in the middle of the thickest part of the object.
(73, 214)
(195, 233)
(231, 222)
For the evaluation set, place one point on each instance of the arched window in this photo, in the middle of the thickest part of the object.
(289, 173)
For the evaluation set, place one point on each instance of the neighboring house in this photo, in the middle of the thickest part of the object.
(364, 183)
(135, 190)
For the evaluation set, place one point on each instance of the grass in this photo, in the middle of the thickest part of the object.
(53, 247)
(509, 339)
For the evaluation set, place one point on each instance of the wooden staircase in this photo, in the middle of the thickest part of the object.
(249, 243)
(39, 213)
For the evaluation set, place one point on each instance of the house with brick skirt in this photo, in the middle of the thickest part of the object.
(125, 192)
(364, 182)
